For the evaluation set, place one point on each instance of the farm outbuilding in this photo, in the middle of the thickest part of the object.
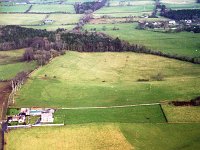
(46, 117)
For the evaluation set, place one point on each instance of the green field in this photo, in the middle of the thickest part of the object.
(180, 4)
(11, 56)
(131, 2)
(14, 8)
(65, 18)
(119, 15)
(183, 43)
(21, 19)
(107, 136)
(10, 70)
(10, 64)
(33, 20)
(52, 8)
(125, 9)
(91, 136)
(182, 113)
(162, 136)
(52, 27)
(138, 114)
(105, 79)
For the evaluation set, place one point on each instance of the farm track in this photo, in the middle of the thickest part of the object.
(107, 107)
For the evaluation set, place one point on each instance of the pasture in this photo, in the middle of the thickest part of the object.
(52, 27)
(65, 18)
(135, 114)
(125, 9)
(91, 136)
(10, 64)
(180, 4)
(9, 71)
(107, 136)
(182, 43)
(181, 113)
(14, 8)
(21, 19)
(130, 2)
(11, 56)
(162, 136)
(106, 79)
(120, 15)
(52, 8)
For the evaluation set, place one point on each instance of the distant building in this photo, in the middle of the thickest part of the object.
(46, 118)
(172, 22)
(19, 119)
(48, 21)
(188, 21)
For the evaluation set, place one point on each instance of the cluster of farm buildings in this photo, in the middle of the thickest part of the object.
(45, 115)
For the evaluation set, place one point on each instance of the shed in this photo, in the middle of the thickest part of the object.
(46, 117)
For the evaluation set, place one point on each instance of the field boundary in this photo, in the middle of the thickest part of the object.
(108, 107)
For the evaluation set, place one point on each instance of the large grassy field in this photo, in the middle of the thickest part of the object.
(105, 79)
(107, 136)
(76, 137)
(119, 15)
(52, 8)
(11, 56)
(21, 19)
(125, 9)
(131, 2)
(180, 4)
(137, 114)
(10, 70)
(14, 8)
(65, 18)
(183, 43)
(162, 136)
(10, 64)
(182, 113)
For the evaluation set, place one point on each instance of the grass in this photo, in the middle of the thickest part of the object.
(10, 70)
(11, 56)
(183, 6)
(15, 8)
(65, 18)
(133, 2)
(21, 19)
(182, 113)
(139, 114)
(105, 79)
(52, 8)
(125, 9)
(183, 43)
(107, 136)
(75, 137)
(52, 27)
(162, 136)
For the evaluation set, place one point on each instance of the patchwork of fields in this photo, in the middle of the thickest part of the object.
(182, 43)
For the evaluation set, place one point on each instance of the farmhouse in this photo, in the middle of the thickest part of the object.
(48, 21)
(172, 22)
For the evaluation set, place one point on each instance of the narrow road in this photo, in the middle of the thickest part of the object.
(122, 106)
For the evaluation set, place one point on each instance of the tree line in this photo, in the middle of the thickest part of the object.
(80, 8)
(43, 48)
(182, 14)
